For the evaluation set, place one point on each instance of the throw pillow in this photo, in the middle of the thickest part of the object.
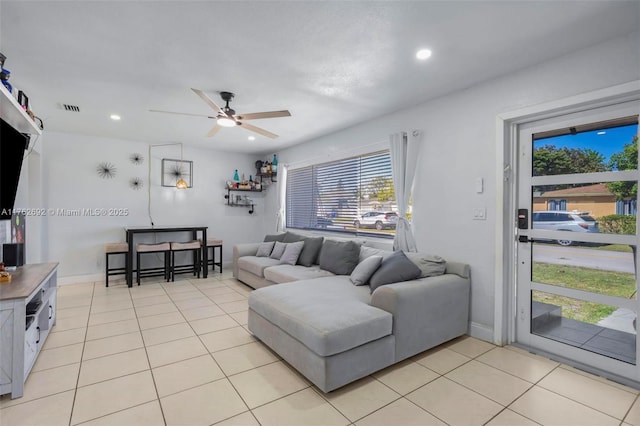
(394, 269)
(278, 249)
(370, 251)
(430, 265)
(310, 251)
(365, 269)
(291, 252)
(339, 257)
(274, 237)
(264, 250)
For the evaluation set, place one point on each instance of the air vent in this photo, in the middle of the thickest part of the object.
(72, 108)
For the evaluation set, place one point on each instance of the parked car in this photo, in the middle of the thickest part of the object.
(323, 222)
(378, 220)
(573, 221)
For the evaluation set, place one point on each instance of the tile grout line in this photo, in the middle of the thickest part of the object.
(75, 391)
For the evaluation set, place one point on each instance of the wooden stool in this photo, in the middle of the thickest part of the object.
(155, 271)
(115, 249)
(193, 246)
(213, 243)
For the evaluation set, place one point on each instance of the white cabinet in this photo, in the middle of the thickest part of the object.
(27, 314)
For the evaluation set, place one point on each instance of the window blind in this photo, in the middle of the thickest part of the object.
(332, 196)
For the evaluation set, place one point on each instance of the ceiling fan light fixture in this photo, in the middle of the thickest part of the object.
(226, 122)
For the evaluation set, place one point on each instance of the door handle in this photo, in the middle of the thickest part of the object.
(526, 239)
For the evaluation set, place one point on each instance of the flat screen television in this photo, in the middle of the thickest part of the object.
(12, 147)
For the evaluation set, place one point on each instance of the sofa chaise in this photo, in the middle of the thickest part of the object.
(335, 332)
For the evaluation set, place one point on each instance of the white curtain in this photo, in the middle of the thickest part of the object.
(282, 197)
(404, 148)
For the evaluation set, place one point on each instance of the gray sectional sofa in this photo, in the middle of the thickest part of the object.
(335, 332)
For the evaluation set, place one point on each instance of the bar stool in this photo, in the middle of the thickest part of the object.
(213, 243)
(154, 271)
(193, 246)
(111, 249)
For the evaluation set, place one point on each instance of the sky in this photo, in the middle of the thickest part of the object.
(606, 142)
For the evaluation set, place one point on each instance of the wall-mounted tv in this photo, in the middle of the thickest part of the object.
(12, 147)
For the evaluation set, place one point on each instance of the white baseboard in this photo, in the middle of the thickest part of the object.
(481, 331)
(76, 279)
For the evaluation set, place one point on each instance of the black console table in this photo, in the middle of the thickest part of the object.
(133, 230)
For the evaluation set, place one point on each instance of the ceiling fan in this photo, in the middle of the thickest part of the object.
(227, 117)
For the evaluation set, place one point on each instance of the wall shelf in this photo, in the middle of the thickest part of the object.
(14, 115)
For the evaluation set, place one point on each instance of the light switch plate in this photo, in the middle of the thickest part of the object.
(479, 185)
(479, 213)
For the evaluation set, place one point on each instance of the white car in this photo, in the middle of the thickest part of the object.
(564, 221)
(378, 220)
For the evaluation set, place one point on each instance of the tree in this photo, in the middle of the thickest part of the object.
(551, 160)
(381, 189)
(627, 159)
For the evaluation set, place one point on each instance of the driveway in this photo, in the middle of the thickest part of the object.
(584, 257)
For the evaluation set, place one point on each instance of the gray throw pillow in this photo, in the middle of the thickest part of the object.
(274, 237)
(429, 264)
(366, 251)
(395, 268)
(264, 250)
(365, 269)
(339, 257)
(278, 249)
(291, 253)
(310, 251)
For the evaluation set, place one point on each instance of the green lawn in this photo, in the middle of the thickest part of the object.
(593, 280)
(615, 247)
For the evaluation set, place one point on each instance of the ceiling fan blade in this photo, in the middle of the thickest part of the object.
(181, 113)
(263, 132)
(259, 115)
(208, 100)
(214, 130)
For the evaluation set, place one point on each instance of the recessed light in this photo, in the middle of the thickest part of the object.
(252, 138)
(601, 133)
(423, 54)
(115, 117)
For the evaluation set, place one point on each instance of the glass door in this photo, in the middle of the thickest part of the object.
(577, 258)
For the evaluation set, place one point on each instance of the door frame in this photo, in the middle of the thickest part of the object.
(507, 124)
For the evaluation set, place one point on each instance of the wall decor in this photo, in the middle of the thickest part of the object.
(175, 170)
(136, 158)
(136, 183)
(106, 170)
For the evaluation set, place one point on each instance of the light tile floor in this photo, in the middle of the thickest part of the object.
(180, 354)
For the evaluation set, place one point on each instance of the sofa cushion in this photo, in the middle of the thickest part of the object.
(339, 257)
(291, 253)
(370, 251)
(278, 250)
(264, 250)
(429, 264)
(328, 315)
(311, 250)
(274, 237)
(365, 269)
(287, 273)
(395, 268)
(255, 264)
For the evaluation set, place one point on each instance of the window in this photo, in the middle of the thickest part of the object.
(354, 195)
(626, 207)
(557, 204)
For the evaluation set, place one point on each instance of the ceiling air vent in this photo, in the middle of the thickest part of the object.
(72, 108)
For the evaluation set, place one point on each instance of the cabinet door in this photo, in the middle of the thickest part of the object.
(31, 341)
(51, 309)
(6, 346)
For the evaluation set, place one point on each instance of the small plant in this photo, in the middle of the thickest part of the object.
(617, 224)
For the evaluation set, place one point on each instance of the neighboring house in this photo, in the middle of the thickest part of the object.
(595, 199)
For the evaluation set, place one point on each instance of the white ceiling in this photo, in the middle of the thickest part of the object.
(332, 64)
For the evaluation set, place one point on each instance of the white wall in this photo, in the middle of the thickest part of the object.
(71, 182)
(459, 146)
